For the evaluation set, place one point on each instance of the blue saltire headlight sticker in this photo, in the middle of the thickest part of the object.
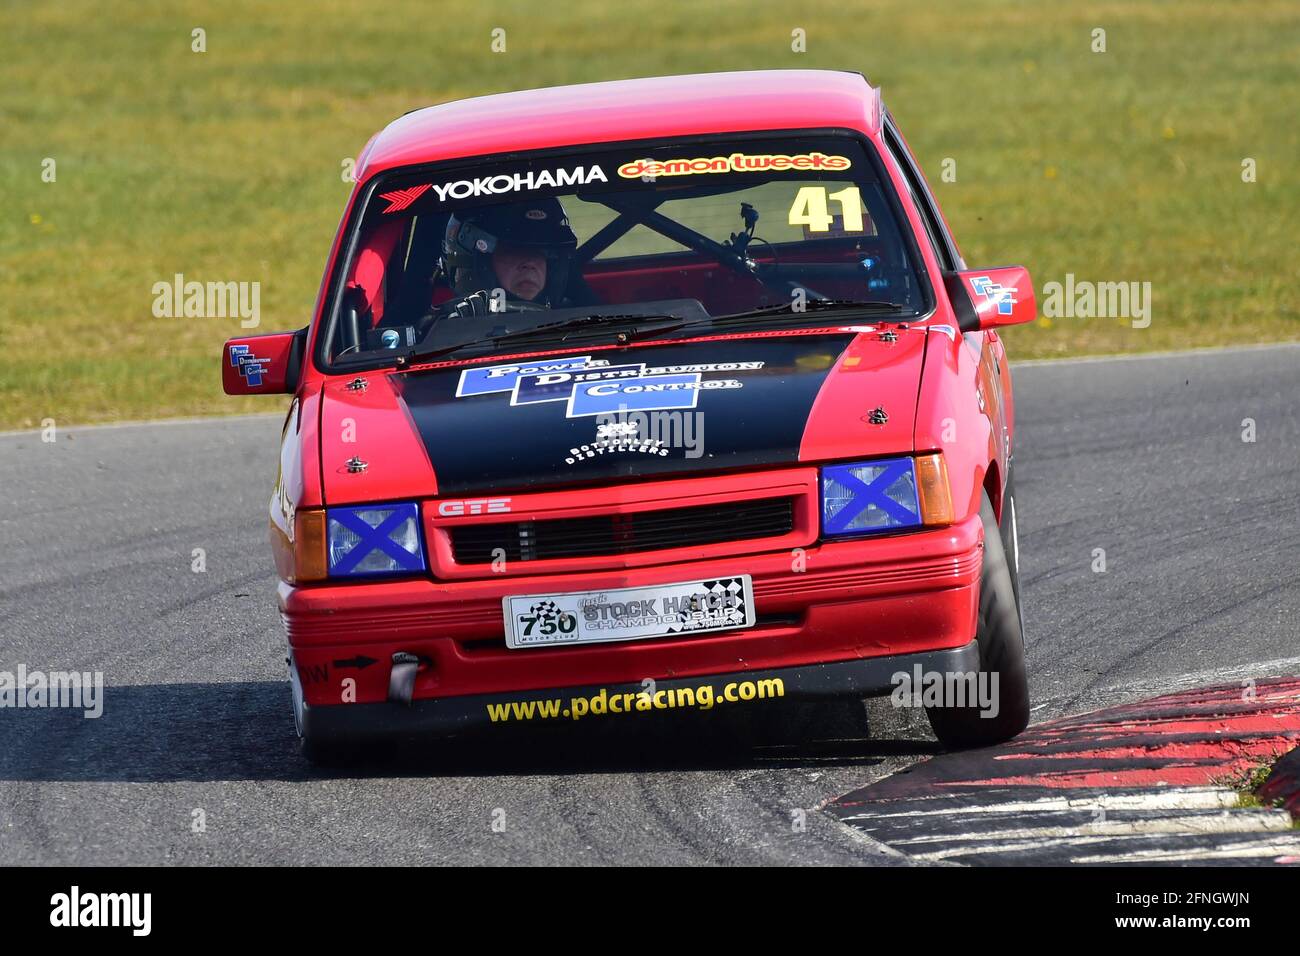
(379, 539)
(888, 497)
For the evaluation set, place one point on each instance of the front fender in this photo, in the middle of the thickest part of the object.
(959, 412)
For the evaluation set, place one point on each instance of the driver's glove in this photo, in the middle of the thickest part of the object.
(472, 306)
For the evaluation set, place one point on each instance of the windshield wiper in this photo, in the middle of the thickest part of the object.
(594, 323)
(814, 305)
(632, 326)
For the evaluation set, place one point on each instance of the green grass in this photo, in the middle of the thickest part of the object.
(1247, 781)
(1124, 165)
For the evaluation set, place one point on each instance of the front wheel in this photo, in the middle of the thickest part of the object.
(1002, 652)
(316, 748)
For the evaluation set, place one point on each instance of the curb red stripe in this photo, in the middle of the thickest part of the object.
(1188, 738)
(1141, 783)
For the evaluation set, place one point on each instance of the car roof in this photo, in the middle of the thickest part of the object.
(665, 106)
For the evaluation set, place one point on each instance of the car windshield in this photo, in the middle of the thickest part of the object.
(616, 238)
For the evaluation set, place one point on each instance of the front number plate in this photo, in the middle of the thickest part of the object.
(629, 614)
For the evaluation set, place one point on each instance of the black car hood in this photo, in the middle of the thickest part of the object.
(609, 414)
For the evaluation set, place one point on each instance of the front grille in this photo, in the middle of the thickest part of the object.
(623, 533)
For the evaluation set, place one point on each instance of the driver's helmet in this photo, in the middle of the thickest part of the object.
(472, 237)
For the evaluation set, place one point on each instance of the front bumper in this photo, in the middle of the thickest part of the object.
(449, 715)
(847, 601)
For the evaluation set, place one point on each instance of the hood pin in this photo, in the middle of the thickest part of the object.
(356, 466)
(357, 385)
(878, 416)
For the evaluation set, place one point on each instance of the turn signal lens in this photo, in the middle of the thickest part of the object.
(932, 490)
(309, 546)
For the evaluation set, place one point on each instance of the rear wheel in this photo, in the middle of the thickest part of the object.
(1000, 636)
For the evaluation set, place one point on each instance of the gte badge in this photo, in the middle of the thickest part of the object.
(473, 506)
(250, 366)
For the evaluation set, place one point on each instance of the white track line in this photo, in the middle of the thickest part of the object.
(164, 422)
(1244, 821)
(1277, 845)
(1142, 356)
(1166, 798)
(1229, 852)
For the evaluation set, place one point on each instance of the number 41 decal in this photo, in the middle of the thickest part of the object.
(809, 208)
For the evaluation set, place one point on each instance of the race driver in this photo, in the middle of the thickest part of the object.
(521, 248)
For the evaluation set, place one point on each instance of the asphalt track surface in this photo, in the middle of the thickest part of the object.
(1141, 457)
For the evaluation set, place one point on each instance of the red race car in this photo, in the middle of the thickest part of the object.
(653, 395)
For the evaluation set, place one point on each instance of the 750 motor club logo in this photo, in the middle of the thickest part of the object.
(549, 619)
(595, 387)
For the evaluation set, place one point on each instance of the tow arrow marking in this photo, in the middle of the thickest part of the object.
(358, 662)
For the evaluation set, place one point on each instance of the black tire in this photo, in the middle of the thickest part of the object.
(330, 754)
(1001, 646)
(1011, 539)
(317, 749)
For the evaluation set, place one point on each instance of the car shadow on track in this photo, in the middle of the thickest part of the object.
(243, 731)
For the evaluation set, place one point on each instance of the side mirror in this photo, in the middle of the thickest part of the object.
(989, 298)
(263, 364)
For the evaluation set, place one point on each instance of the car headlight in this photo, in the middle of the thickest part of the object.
(375, 539)
(887, 494)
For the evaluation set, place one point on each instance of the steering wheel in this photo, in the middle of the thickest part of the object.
(473, 306)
